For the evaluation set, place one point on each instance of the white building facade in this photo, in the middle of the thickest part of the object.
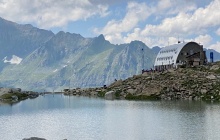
(179, 54)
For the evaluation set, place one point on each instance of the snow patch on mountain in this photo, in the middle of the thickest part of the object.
(14, 60)
(55, 70)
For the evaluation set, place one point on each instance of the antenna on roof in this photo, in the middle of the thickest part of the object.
(179, 40)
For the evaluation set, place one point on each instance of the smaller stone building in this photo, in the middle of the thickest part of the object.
(185, 53)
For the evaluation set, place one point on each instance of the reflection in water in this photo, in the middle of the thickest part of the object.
(58, 117)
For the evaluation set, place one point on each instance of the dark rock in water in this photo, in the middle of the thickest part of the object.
(34, 138)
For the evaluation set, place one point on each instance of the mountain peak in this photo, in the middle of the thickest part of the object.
(101, 37)
(137, 43)
(62, 33)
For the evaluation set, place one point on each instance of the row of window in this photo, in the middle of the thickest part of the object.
(165, 58)
(168, 51)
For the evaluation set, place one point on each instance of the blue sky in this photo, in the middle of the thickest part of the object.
(155, 22)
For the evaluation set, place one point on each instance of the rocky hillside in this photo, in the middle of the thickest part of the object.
(195, 83)
(19, 40)
(55, 61)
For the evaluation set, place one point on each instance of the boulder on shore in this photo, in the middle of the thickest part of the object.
(110, 95)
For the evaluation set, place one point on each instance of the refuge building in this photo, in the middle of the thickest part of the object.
(185, 53)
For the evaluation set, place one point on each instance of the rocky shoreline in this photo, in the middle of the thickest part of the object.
(193, 83)
(14, 95)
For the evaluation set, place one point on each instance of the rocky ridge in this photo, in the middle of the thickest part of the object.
(193, 83)
(37, 59)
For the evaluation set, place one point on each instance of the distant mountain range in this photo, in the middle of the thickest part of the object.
(36, 59)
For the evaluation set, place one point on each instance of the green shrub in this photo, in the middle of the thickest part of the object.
(8, 96)
(130, 97)
(142, 97)
(101, 94)
(21, 96)
(117, 94)
(217, 71)
(183, 66)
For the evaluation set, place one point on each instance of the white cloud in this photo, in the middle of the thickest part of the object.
(183, 20)
(205, 40)
(187, 23)
(136, 12)
(164, 4)
(14, 60)
(150, 41)
(215, 46)
(109, 2)
(167, 7)
(197, 22)
(218, 32)
(50, 13)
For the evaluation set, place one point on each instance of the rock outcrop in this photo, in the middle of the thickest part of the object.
(193, 83)
(11, 95)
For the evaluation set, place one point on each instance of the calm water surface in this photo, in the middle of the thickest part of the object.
(57, 117)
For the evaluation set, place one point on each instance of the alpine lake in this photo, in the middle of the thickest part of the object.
(58, 117)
